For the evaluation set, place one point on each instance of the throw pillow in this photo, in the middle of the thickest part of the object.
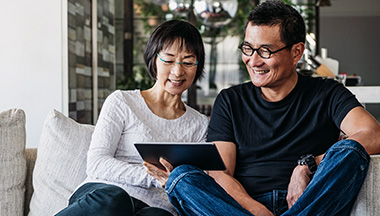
(61, 163)
(12, 162)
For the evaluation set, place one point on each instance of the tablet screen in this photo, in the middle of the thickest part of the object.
(203, 155)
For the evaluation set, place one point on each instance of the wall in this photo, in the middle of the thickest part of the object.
(350, 29)
(33, 60)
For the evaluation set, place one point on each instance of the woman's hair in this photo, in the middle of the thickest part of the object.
(166, 35)
(272, 12)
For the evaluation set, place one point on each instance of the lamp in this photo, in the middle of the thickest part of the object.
(180, 7)
(159, 2)
(215, 13)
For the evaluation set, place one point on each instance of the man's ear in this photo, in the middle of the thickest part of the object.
(298, 50)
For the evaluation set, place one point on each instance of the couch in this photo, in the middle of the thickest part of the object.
(39, 181)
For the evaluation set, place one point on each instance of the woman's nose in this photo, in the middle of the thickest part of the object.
(177, 70)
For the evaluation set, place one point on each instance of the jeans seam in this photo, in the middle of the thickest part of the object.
(361, 153)
(349, 144)
(274, 199)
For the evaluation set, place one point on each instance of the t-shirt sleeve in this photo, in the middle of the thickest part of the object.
(221, 125)
(342, 101)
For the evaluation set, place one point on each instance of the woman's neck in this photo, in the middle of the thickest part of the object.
(164, 104)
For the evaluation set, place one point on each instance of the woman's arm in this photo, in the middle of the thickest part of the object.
(101, 161)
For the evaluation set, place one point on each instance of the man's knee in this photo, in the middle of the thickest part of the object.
(179, 174)
(179, 170)
(350, 146)
(348, 152)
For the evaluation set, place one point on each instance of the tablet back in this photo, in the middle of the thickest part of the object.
(203, 155)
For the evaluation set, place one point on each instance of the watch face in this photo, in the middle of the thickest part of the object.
(308, 160)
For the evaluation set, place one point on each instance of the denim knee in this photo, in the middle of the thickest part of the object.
(99, 199)
(110, 200)
(114, 199)
(347, 150)
(178, 173)
(351, 145)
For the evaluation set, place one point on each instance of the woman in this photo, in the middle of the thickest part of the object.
(117, 183)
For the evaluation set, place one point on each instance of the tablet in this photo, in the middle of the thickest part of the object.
(202, 155)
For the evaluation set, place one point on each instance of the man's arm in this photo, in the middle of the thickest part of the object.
(358, 125)
(225, 179)
(362, 127)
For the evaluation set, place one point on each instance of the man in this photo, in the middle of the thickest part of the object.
(274, 132)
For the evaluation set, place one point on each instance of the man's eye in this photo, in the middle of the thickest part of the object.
(264, 50)
(247, 48)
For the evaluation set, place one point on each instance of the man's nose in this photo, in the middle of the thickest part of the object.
(254, 60)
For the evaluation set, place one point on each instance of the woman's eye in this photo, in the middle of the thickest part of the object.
(169, 62)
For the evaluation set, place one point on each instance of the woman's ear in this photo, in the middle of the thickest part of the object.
(298, 50)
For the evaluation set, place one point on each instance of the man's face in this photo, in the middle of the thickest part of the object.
(279, 68)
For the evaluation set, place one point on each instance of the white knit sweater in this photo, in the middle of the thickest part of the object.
(124, 119)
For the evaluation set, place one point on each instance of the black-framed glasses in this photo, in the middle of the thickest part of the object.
(187, 65)
(263, 52)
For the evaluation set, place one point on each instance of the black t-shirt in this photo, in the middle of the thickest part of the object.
(271, 136)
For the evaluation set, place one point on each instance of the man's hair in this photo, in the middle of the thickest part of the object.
(166, 35)
(275, 12)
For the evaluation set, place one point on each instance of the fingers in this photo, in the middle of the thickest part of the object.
(167, 165)
(160, 175)
(291, 200)
(298, 183)
(293, 195)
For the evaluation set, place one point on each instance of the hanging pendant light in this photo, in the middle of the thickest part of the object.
(180, 7)
(215, 13)
(159, 2)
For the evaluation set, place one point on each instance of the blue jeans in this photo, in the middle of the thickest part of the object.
(98, 199)
(332, 191)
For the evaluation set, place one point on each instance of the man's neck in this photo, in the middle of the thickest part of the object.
(274, 94)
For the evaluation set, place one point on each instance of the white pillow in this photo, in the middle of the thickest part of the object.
(12, 162)
(61, 163)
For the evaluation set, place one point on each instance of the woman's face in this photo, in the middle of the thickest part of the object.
(176, 69)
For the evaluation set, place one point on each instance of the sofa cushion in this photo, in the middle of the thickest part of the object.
(12, 162)
(61, 163)
(367, 202)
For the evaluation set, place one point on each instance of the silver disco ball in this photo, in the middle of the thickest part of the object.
(159, 2)
(180, 7)
(215, 13)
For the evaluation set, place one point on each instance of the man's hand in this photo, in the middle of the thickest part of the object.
(298, 183)
(160, 175)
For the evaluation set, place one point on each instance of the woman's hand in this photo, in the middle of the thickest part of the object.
(298, 183)
(160, 175)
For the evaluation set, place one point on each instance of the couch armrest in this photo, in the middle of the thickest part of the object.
(367, 202)
(31, 156)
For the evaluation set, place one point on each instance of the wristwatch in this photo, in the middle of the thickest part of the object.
(309, 161)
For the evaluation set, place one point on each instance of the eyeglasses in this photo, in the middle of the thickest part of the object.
(263, 52)
(189, 64)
